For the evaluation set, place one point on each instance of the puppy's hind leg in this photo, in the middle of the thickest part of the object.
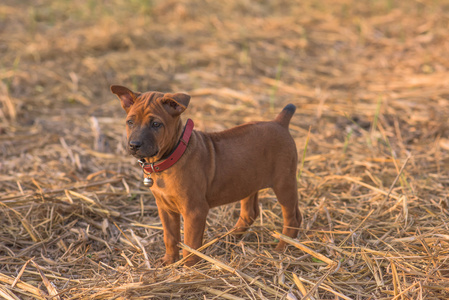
(249, 210)
(287, 194)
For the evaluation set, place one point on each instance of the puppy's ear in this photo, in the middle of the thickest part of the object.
(176, 104)
(126, 96)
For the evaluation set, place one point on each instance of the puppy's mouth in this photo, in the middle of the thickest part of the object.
(145, 158)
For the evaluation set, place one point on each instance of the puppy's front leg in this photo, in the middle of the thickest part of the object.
(171, 222)
(194, 225)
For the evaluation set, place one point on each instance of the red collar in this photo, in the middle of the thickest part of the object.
(174, 156)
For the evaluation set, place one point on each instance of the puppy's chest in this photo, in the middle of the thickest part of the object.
(168, 196)
(166, 201)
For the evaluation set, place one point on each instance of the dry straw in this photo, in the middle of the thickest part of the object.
(369, 78)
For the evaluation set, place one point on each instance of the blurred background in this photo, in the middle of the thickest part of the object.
(340, 62)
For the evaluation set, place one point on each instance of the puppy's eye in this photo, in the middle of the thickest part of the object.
(156, 124)
(129, 123)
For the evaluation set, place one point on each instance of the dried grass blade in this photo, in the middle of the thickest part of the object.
(69, 151)
(104, 211)
(219, 293)
(319, 282)
(98, 136)
(405, 207)
(392, 207)
(38, 294)
(67, 194)
(147, 261)
(326, 288)
(95, 238)
(301, 287)
(24, 222)
(93, 202)
(395, 279)
(128, 286)
(126, 237)
(404, 291)
(181, 261)
(371, 187)
(127, 259)
(4, 293)
(357, 228)
(60, 190)
(378, 252)
(56, 277)
(231, 270)
(429, 252)
(304, 248)
(50, 287)
(20, 273)
(291, 296)
(371, 267)
(147, 226)
(394, 182)
(82, 197)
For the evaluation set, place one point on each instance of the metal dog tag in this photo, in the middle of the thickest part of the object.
(148, 181)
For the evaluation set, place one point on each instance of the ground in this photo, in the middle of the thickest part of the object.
(370, 80)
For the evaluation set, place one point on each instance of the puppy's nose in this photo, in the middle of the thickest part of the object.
(135, 145)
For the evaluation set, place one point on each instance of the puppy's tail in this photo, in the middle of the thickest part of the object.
(285, 115)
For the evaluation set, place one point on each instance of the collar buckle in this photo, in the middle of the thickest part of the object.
(142, 163)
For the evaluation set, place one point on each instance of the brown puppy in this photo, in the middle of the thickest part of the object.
(194, 171)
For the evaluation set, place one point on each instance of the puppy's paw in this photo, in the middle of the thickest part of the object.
(238, 232)
(280, 247)
(168, 259)
(191, 261)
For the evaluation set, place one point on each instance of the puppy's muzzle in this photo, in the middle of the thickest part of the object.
(134, 146)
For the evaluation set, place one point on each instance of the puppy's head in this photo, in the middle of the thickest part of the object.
(153, 124)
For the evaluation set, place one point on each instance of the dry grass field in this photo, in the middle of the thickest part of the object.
(370, 80)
